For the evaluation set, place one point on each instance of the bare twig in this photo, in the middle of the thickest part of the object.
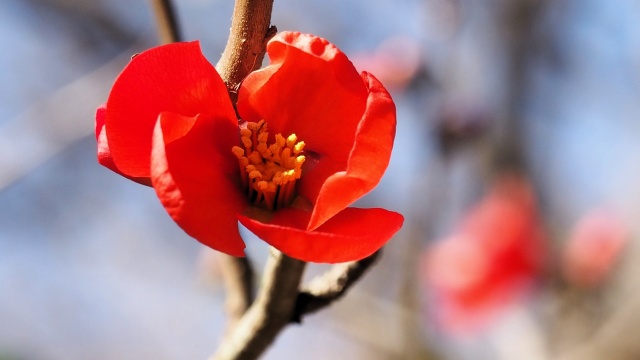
(168, 30)
(250, 31)
(244, 53)
(331, 286)
(269, 314)
(237, 274)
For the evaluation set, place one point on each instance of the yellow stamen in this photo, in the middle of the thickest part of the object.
(269, 172)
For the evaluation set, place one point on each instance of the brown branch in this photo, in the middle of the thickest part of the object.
(269, 314)
(250, 31)
(278, 300)
(168, 30)
(244, 53)
(237, 275)
(331, 286)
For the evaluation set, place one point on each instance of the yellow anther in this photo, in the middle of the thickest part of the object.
(237, 151)
(262, 185)
(255, 174)
(264, 150)
(269, 169)
(255, 158)
(252, 126)
(246, 142)
(291, 140)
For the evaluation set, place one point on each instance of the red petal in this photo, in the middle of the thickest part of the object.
(351, 235)
(104, 153)
(196, 177)
(368, 159)
(174, 78)
(312, 89)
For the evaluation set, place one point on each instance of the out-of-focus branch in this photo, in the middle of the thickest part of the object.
(250, 31)
(168, 30)
(331, 286)
(615, 339)
(237, 274)
(269, 314)
(519, 19)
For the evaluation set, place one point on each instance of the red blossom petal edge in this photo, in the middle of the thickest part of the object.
(368, 159)
(195, 175)
(104, 153)
(352, 234)
(175, 78)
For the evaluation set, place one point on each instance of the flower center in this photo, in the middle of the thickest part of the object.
(269, 172)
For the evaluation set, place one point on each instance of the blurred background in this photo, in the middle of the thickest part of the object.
(516, 167)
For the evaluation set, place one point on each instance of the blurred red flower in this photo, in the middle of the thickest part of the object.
(492, 258)
(593, 248)
(314, 137)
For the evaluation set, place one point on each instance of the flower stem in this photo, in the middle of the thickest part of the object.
(269, 314)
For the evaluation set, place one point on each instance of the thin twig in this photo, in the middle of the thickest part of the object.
(250, 30)
(237, 274)
(331, 286)
(269, 314)
(168, 30)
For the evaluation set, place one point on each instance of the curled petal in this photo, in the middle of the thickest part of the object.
(173, 78)
(368, 159)
(104, 153)
(351, 235)
(196, 177)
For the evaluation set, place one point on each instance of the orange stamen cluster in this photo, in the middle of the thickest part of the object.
(269, 172)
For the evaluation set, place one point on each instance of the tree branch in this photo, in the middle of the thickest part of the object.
(168, 30)
(269, 314)
(331, 286)
(244, 53)
(278, 300)
(250, 31)
(237, 275)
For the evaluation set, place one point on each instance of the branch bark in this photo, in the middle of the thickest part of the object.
(168, 30)
(331, 286)
(244, 52)
(237, 275)
(278, 300)
(269, 314)
(250, 31)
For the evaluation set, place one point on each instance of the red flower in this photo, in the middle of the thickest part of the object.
(594, 248)
(325, 141)
(493, 257)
